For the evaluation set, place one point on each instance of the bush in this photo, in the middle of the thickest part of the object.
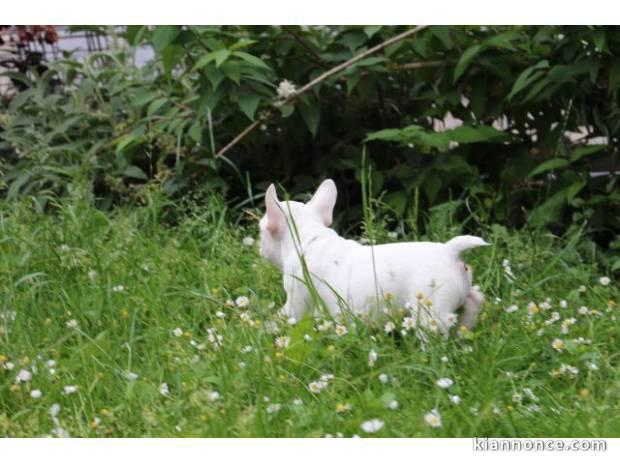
(516, 91)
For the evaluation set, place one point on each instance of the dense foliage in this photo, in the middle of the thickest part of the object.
(518, 91)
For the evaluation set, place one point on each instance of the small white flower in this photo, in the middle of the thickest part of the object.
(341, 330)
(325, 326)
(50, 363)
(132, 376)
(213, 395)
(220, 314)
(392, 235)
(372, 425)
(273, 407)
(164, 390)
(9, 366)
(316, 387)
(592, 366)
(517, 398)
(282, 342)
(393, 405)
(530, 394)
(511, 308)
(584, 311)
(72, 324)
(444, 359)
(118, 289)
(389, 327)
(297, 402)
(92, 275)
(563, 304)
(433, 418)
(248, 241)
(178, 332)
(286, 89)
(582, 289)
(326, 377)
(23, 376)
(69, 389)
(54, 409)
(456, 399)
(307, 338)
(36, 394)
(372, 358)
(242, 301)
(604, 281)
(384, 378)
(291, 321)
(242, 365)
(444, 383)
(557, 344)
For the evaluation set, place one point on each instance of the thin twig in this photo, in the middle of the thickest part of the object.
(318, 80)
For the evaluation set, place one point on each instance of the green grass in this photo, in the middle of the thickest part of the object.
(181, 277)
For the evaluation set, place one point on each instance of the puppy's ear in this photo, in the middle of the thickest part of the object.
(275, 216)
(324, 200)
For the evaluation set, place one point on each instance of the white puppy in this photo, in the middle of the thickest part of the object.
(428, 278)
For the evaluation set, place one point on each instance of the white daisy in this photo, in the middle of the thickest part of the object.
(213, 395)
(456, 399)
(433, 418)
(372, 425)
(164, 390)
(23, 376)
(242, 301)
(445, 382)
(341, 330)
(389, 327)
(178, 332)
(384, 378)
(393, 405)
(36, 394)
(248, 241)
(511, 308)
(282, 342)
(69, 389)
(372, 358)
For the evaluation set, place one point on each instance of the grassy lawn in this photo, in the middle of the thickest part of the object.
(134, 328)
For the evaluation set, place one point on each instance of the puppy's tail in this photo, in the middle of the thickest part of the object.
(463, 242)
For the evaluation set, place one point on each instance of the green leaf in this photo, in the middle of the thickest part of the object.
(127, 141)
(468, 134)
(219, 56)
(286, 110)
(163, 36)
(548, 211)
(135, 172)
(464, 61)
(614, 77)
(134, 34)
(170, 56)
(195, 132)
(155, 106)
(253, 60)
(443, 34)
(585, 150)
(371, 30)
(143, 98)
(311, 114)
(232, 71)
(528, 76)
(249, 104)
(575, 188)
(548, 165)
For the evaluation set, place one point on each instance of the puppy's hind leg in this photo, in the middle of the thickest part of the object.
(472, 307)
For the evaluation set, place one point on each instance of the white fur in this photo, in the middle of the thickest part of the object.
(349, 276)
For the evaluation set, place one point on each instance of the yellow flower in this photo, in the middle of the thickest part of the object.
(419, 295)
(340, 408)
(125, 313)
(279, 355)
(509, 407)
(3, 358)
(584, 392)
(258, 322)
(14, 388)
(428, 302)
(331, 349)
(389, 296)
